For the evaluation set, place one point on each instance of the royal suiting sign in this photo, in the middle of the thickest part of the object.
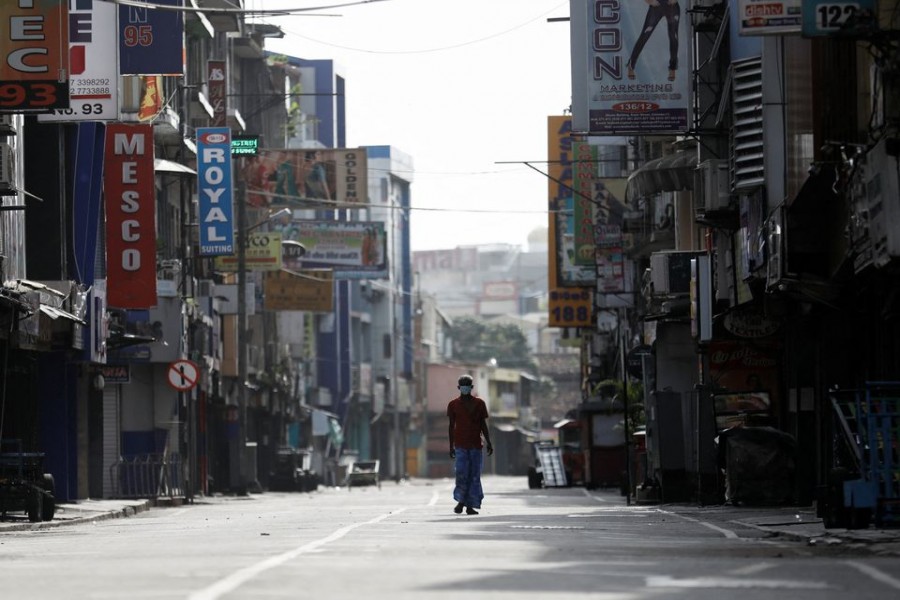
(130, 216)
(216, 191)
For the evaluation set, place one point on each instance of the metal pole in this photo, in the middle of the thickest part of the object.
(625, 404)
(242, 328)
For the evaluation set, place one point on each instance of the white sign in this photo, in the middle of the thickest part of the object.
(183, 375)
(93, 80)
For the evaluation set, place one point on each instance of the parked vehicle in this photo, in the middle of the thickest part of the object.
(292, 471)
(23, 484)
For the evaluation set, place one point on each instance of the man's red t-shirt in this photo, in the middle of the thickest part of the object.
(468, 416)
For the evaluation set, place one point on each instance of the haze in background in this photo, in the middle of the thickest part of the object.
(460, 86)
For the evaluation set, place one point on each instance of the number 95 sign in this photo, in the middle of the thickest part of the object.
(835, 17)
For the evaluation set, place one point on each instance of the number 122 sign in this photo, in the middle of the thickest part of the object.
(835, 17)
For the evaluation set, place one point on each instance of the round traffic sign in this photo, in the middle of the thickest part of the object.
(183, 375)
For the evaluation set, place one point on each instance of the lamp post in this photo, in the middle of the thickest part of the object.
(243, 230)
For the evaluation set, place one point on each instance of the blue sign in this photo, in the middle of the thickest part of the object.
(216, 191)
(836, 17)
(151, 41)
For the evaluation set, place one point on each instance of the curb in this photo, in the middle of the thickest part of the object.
(122, 513)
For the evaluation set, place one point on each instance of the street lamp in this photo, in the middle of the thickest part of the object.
(243, 230)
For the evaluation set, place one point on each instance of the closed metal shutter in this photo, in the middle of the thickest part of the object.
(111, 438)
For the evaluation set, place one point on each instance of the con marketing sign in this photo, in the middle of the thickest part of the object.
(216, 191)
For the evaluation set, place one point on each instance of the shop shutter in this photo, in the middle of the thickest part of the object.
(111, 437)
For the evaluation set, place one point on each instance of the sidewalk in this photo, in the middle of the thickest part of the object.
(798, 523)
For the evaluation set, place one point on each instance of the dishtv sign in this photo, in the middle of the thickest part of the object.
(130, 216)
(216, 191)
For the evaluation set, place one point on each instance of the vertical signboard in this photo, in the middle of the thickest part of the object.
(216, 191)
(215, 75)
(631, 67)
(130, 216)
(34, 57)
(151, 41)
(93, 79)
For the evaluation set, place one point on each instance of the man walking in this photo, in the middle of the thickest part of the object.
(468, 422)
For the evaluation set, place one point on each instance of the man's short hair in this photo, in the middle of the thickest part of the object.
(465, 380)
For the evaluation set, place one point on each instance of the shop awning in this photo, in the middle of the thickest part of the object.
(161, 165)
(671, 173)
(57, 313)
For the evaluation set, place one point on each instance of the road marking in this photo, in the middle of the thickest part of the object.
(238, 578)
(875, 574)
(590, 495)
(434, 498)
(726, 532)
(752, 569)
(727, 582)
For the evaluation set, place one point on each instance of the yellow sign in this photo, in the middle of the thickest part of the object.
(570, 307)
(263, 254)
(309, 289)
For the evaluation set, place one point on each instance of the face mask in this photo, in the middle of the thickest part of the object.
(465, 389)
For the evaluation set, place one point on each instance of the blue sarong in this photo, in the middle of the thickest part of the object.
(468, 477)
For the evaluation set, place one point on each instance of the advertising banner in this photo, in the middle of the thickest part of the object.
(130, 216)
(353, 249)
(307, 178)
(308, 289)
(561, 239)
(93, 78)
(631, 67)
(770, 17)
(216, 191)
(151, 41)
(34, 57)
(218, 97)
(263, 253)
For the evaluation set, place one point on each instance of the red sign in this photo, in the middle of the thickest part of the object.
(130, 216)
(34, 55)
(183, 375)
(215, 75)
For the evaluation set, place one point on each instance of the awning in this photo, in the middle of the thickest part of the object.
(671, 173)
(57, 313)
(161, 165)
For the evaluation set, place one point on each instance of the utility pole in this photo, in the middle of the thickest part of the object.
(242, 331)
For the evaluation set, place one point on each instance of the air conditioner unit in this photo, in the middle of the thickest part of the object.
(713, 185)
(7, 170)
(321, 396)
(206, 288)
(670, 272)
(7, 124)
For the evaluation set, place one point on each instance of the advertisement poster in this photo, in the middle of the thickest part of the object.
(34, 57)
(353, 249)
(263, 253)
(307, 178)
(216, 191)
(308, 289)
(93, 76)
(631, 67)
(770, 17)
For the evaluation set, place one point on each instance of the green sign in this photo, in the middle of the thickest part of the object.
(244, 145)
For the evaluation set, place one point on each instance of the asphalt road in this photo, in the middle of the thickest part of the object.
(403, 541)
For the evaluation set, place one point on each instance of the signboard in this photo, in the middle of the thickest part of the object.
(216, 191)
(183, 375)
(769, 17)
(218, 95)
(244, 145)
(317, 177)
(94, 76)
(116, 373)
(836, 17)
(130, 216)
(263, 253)
(310, 290)
(353, 249)
(34, 57)
(631, 67)
(151, 41)
(570, 308)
